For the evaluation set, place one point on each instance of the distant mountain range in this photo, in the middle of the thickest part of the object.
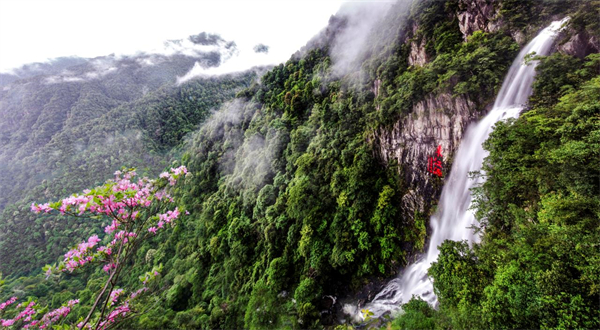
(71, 122)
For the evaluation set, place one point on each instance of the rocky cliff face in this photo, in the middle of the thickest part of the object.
(438, 120)
(417, 55)
(477, 16)
(578, 43)
(473, 15)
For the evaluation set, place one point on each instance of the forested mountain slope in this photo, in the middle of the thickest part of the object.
(314, 180)
(64, 127)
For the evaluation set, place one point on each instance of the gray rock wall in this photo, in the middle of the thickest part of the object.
(438, 120)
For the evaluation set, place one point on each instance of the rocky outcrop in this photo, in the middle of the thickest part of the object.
(473, 15)
(438, 120)
(477, 15)
(376, 89)
(418, 55)
(579, 43)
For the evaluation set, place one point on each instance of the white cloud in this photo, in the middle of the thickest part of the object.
(350, 44)
(242, 60)
(35, 30)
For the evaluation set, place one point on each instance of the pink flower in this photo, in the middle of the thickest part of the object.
(102, 249)
(7, 323)
(37, 208)
(93, 240)
(152, 230)
(71, 265)
(112, 227)
(8, 303)
(114, 296)
(179, 170)
(108, 267)
(160, 194)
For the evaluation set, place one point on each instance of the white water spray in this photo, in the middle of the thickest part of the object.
(453, 219)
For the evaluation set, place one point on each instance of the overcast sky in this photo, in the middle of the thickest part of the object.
(35, 30)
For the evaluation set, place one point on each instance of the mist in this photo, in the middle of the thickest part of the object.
(350, 45)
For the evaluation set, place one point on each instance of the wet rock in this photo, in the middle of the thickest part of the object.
(327, 306)
(327, 302)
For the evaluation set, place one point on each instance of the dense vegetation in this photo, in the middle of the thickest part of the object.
(537, 266)
(288, 202)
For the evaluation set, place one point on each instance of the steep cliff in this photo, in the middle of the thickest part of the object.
(440, 116)
(438, 120)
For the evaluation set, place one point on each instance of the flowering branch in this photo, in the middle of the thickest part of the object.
(132, 208)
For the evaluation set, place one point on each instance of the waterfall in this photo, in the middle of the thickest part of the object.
(453, 218)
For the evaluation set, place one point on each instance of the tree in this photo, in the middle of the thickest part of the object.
(136, 210)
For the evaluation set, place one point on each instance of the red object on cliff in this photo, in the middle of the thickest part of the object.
(434, 164)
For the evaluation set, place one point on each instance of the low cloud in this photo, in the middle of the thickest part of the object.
(246, 159)
(242, 59)
(254, 160)
(261, 48)
(209, 51)
(96, 68)
(350, 44)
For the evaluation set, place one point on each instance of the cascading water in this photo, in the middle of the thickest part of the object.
(453, 219)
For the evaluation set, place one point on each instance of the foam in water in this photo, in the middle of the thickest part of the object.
(453, 219)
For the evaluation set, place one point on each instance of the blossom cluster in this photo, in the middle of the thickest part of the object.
(130, 206)
(114, 296)
(115, 198)
(118, 312)
(52, 317)
(175, 172)
(165, 218)
(122, 200)
(8, 303)
(26, 314)
(79, 256)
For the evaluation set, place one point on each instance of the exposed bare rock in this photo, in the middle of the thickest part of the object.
(376, 87)
(437, 120)
(477, 15)
(579, 44)
(376, 90)
(418, 55)
(519, 37)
